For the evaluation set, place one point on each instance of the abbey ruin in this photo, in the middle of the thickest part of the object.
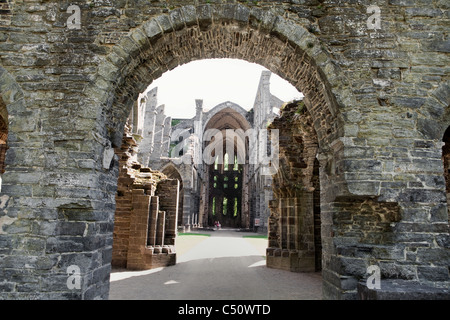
(229, 188)
(88, 180)
(234, 171)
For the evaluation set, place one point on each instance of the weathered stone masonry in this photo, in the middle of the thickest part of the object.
(292, 232)
(379, 104)
(146, 214)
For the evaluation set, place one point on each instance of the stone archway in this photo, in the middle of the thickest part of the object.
(192, 33)
(172, 173)
(379, 125)
(79, 223)
(295, 241)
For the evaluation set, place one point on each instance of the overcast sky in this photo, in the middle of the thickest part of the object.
(215, 81)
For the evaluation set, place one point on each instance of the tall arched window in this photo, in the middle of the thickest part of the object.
(226, 191)
(225, 162)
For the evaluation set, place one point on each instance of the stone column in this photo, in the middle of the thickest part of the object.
(167, 129)
(148, 129)
(138, 229)
(160, 228)
(187, 210)
(152, 226)
(158, 134)
(304, 207)
(168, 192)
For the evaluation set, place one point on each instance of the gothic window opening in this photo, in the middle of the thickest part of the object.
(227, 174)
(226, 191)
(225, 206)
(225, 162)
(216, 164)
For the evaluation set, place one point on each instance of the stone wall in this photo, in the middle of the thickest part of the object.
(358, 232)
(146, 214)
(292, 227)
(168, 193)
(3, 135)
(378, 101)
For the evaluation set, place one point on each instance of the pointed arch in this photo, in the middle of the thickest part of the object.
(172, 172)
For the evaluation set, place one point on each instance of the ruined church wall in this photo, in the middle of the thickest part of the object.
(379, 104)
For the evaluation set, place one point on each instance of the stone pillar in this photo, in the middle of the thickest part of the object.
(291, 234)
(305, 246)
(166, 137)
(138, 230)
(160, 228)
(146, 146)
(187, 210)
(158, 134)
(152, 226)
(273, 232)
(202, 203)
(262, 105)
(283, 223)
(168, 192)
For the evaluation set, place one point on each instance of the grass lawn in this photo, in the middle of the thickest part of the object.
(256, 237)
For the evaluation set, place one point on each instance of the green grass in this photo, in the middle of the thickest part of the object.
(256, 237)
(194, 234)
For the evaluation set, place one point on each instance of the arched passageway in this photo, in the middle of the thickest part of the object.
(159, 45)
(381, 183)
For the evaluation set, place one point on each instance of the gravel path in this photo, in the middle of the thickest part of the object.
(224, 266)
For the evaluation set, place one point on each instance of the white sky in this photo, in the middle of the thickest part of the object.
(215, 81)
